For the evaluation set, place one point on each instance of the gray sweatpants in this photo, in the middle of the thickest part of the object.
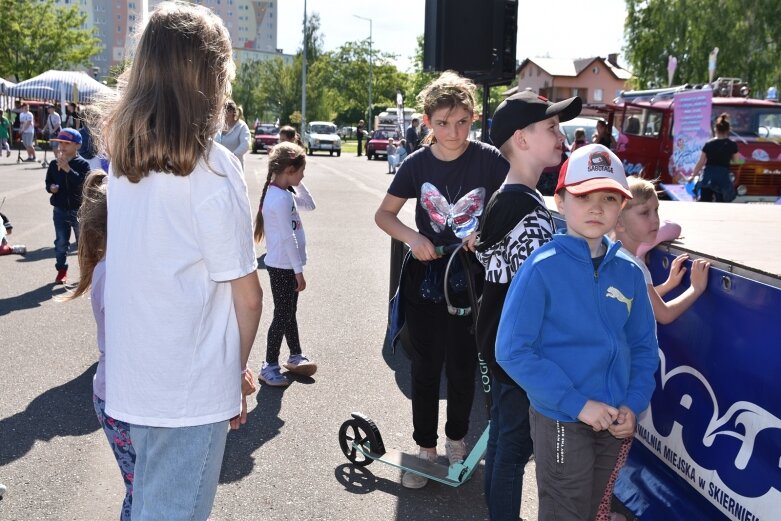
(573, 467)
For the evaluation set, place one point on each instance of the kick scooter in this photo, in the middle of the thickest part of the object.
(360, 438)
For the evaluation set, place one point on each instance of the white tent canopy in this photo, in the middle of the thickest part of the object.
(4, 84)
(59, 85)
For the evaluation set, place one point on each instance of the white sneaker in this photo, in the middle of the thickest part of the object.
(412, 480)
(270, 375)
(301, 365)
(455, 450)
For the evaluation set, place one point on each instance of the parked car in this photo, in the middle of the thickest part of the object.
(347, 132)
(377, 146)
(266, 136)
(321, 135)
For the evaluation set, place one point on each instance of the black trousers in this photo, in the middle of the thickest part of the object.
(360, 146)
(284, 324)
(434, 339)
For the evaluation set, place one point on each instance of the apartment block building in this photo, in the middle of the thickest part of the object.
(252, 25)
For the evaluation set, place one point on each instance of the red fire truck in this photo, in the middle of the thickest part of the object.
(645, 121)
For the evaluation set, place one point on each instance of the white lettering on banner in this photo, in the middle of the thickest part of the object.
(725, 500)
(632, 168)
(742, 421)
(751, 417)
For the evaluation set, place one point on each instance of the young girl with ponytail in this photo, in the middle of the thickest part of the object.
(278, 221)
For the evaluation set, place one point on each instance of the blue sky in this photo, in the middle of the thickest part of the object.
(563, 29)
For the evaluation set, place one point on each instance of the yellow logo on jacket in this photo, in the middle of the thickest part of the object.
(616, 294)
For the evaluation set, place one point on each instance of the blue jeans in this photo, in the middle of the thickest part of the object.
(177, 470)
(64, 221)
(508, 451)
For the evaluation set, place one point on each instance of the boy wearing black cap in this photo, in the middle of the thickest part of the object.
(516, 222)
(64, 180)
(577, 332)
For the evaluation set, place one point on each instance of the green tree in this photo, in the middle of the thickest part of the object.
(271, 89)
(39, 36)
(418, 79)
(745, 31)
(345, 75)
(245, 91)
(279, 88)
(116, 70)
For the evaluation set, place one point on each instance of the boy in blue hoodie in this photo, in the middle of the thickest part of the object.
(577, 332)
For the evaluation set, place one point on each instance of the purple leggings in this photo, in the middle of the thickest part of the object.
(118, 434)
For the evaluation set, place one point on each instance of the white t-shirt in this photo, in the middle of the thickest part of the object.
(174, 243)
(282, 228)
(643, 267)
(26, 116)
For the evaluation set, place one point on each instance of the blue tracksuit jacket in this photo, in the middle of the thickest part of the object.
(569, 333)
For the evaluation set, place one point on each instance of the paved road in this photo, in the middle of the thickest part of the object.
(286, 463)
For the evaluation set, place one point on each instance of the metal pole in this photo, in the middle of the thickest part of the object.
(370, 123)
(303, 79)
(371, 60)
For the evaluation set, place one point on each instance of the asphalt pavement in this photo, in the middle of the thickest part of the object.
(285, 464)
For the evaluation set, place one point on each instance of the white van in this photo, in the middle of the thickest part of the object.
(321, 135)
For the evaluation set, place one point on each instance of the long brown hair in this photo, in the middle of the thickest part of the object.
(283, 156)
(448, 91)
(171, 99)
(92, 229)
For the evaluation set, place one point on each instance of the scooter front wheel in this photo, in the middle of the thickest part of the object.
(361, 431)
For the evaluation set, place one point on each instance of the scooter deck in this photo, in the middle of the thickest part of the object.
(453, 475)
(436, 471)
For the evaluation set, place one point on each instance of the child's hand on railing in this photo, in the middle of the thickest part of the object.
(699, 275)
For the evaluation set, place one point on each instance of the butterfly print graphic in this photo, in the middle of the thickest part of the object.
(461, 217)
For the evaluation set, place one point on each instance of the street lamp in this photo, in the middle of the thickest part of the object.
(303, 80)
(370, 122)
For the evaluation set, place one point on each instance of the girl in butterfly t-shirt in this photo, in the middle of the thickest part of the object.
(451, 180)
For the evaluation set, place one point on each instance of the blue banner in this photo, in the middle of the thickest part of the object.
(713, 429)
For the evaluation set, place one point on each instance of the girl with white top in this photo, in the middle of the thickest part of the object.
(278, 221)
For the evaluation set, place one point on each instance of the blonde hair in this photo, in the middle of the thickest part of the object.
(448, 91)
(642, 191)
(93, 226)
(171, 99)
(282, 157)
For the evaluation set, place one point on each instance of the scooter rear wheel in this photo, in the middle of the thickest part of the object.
(360, 430)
